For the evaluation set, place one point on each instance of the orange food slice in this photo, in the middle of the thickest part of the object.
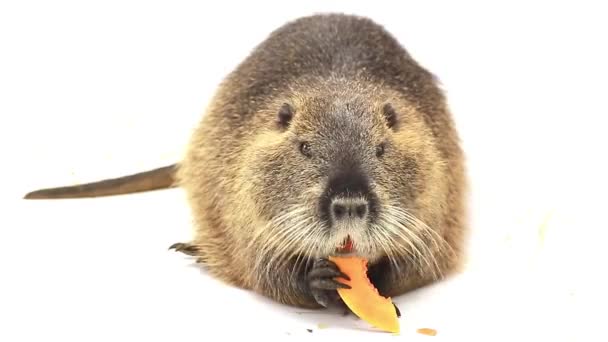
(363, 298)
(427, 331)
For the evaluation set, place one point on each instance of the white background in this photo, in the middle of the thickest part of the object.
(91, 90)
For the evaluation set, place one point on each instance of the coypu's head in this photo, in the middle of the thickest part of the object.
(360, 167)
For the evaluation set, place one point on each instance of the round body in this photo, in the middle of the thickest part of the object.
(327, 132)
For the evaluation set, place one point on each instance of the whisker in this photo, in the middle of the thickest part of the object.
(275, 237)
(412, 255)
(404, 214)
(288, 240)
(301, 254)
(406, 235)
(277, 222)
(406, 228)
(439, 242)
(386, 244)
(314, 246)
(308, 243)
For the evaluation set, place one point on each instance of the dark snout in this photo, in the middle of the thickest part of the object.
(348, 198)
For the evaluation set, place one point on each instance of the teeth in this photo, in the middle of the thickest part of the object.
(347, 245)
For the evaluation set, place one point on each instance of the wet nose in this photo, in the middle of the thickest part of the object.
(343, 209)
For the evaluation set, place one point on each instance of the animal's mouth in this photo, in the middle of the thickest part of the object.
(346, 246)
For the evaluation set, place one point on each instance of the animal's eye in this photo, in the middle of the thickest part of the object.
(380, 150)
(305, 148)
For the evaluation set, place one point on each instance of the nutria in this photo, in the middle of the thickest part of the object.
(328, 132)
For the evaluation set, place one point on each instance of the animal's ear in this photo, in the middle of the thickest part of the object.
(390, 115)
(285, 115)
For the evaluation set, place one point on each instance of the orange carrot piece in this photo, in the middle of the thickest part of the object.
(363, 298)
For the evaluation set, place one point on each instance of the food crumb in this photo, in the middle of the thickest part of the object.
(427, 331)
(309, 330)
(322, 326)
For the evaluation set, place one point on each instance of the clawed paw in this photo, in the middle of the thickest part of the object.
(185, 248)
(322, 282)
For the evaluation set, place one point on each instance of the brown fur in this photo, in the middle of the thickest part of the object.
(240, 170)
(255, 195)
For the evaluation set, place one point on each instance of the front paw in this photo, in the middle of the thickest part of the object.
(322, 282)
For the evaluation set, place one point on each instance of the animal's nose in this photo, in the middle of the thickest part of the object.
(343, 209)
